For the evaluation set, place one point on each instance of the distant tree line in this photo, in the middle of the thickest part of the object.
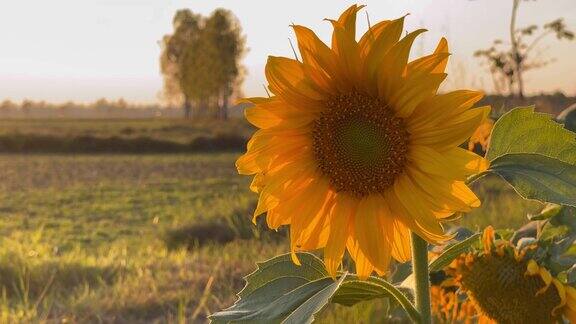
(552, 103)
(200, 62)
(102, 108)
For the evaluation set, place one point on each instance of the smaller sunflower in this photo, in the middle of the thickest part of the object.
(508, 285)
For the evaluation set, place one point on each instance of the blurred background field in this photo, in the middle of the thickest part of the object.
(119, 197)
(145, 220)
(146, 238)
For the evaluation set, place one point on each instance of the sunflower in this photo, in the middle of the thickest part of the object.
(355, 148)
(508, 285)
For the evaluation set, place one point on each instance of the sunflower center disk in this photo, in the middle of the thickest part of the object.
(359, 144)
(503, 291)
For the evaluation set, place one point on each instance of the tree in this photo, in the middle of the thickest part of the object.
(175, 48)
(224, 34)
(509, 61)
(200, 61)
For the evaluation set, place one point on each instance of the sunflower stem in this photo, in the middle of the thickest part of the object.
(422, 277)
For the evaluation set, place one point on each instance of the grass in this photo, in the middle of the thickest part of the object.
(89, 200)
(123, 238)
(82, 236)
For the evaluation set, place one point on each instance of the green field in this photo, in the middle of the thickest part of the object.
(84, 237)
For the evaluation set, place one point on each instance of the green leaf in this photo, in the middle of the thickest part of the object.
(522, 130)
(305, 311)
(539, 177)
(282, 266)
(565, 216)
(559, 234)
(266, 305)
(281, 292)
(353, 291)
(452, 252)
(549, 211)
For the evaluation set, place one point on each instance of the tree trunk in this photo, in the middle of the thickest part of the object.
(516, 56)
(187, 108)
(202, 107)
(216, 107)
(224, 108)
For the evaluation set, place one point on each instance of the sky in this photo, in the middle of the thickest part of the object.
(81, 50)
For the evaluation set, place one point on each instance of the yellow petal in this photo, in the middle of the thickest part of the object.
(488, 239)
(374, 46)
(570, 314)
(444, 195)
(363, 266)
(320, 62)
(401, 247)
(473, 163)
(443, 107)
(370, 233)
(561, 293)
(307, 211)
(413, 92)
(547, 278)
(313, 50)
(434, 63)
(571, 297)
(346, 49)
(342, 213)
(398, 209)
(284, 184)
(267, 145)
(367, 40)
(276, 113)
(441, 48)
(294, 258)
(272, 195)
(453, 133)
(393, 64)
(317, 236)
(281, 188)
(257, 182)
(274, 219)
(261, 118)
(455, 163)
(255, 100)
(348, 22)
(287, 80)
(427, 65)
(532, 267)
(413, 209)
